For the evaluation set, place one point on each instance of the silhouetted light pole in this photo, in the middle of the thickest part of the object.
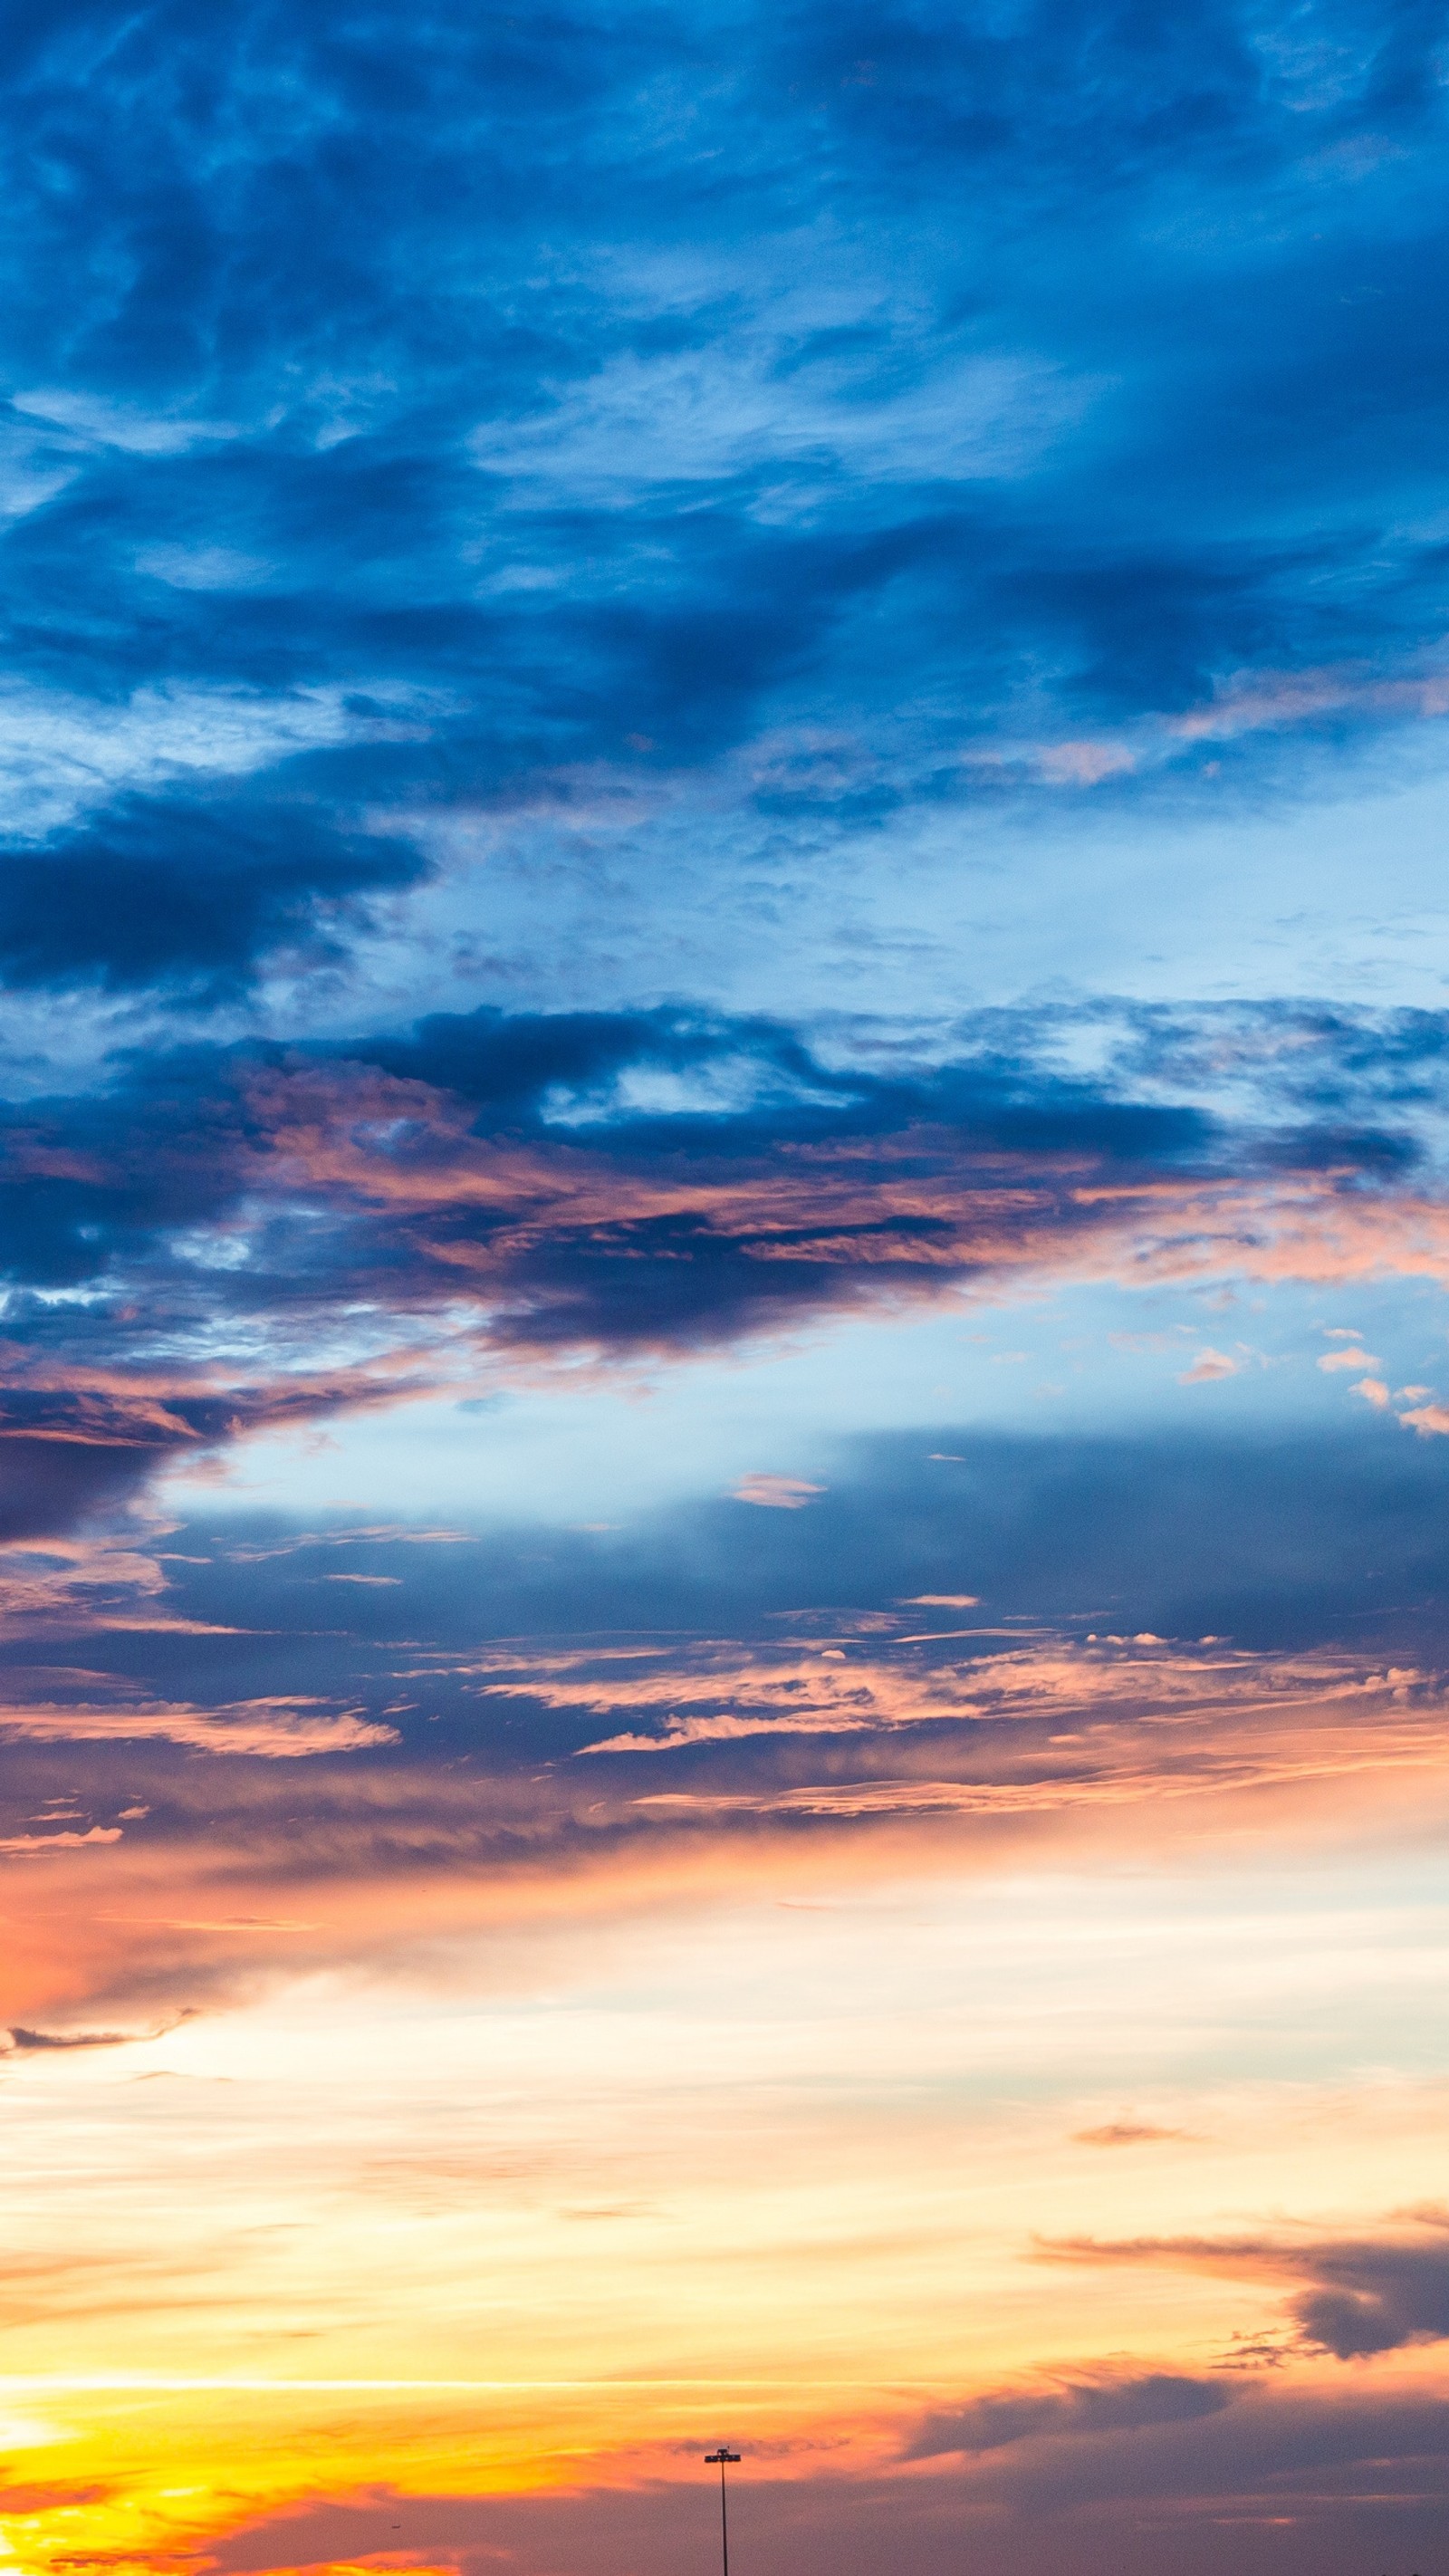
(713, 2459)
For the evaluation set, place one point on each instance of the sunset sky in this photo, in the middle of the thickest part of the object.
(725, 1170)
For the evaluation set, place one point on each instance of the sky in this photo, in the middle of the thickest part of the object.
(724, 1148)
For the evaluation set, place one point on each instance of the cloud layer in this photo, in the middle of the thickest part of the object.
(316, 1228)
(542, 425)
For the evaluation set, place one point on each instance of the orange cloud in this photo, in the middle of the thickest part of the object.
(275, 1729)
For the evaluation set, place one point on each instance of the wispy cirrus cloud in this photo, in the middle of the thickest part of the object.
(269, 1729)
(1043, 1724)
(1250, 702)
(444, 1799)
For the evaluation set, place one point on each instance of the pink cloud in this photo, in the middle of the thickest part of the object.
(1084, 763)
(1248, 702)
(1208, 1365)
(1427, 1418)
(777, 1493)
(273, 1728)
(1125, 1742)
(724, 1692)
(913, 1216)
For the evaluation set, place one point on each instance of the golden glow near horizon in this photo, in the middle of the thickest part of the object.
(510, 2209)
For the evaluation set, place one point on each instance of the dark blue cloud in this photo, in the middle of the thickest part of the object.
(655, 1180)
(180, 1139)
(1273, 1547)
(162, 893)
(1279, 1545)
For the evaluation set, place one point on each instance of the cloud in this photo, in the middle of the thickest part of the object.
(1372, 2299)
(446, 1797)
(1125, 2133)
(61, 756)
(267, 1729)
(1087, 2407)
(1248, 703)
(1349, 2477)
(686, 476)
(778, 1493)
(1427, 1419)
(1349, 2297)
(33, 1846)
(189, 896)
(111, 426)
(488, 1190)
(31, 2043)
(1231, 1720)
(1208, 1365)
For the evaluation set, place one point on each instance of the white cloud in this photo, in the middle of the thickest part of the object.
(62, 755)
(696, 416)
(32, 470)
(202, 567)
(104, 424)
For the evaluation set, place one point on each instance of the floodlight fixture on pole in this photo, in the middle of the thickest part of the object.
(717, 2459)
